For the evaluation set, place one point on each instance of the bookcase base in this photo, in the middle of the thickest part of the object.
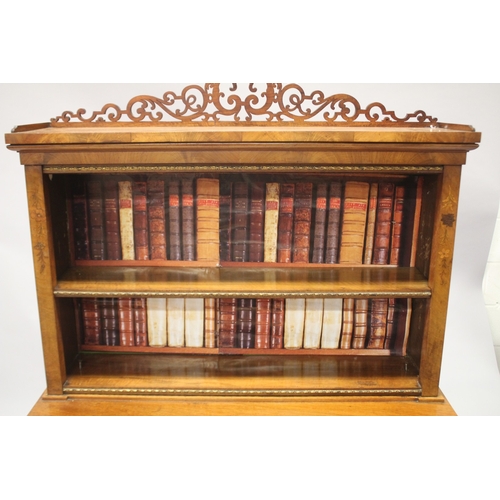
(241, 406)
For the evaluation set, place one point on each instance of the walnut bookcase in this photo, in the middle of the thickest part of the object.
(279, 135)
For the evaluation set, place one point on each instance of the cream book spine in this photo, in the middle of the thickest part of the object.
(157, 321)
(313, 323)
(194, 321)
(126, 220)
(294, 323)
(175, 321)
(332, 323)
(271, 221)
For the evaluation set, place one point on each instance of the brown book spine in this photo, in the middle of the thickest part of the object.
(126, 322)
(141, 233)
(207, 219)
(318, 253)
(227, 322)
(91, 322)
(378, 323)
(109, 322)
(277, 323)
(140, 322)
(156, 217)
(390, 331)
(285, 223)
(174, 212)
(96, 220)
(256, 239)
(360, 324)
(383, 224)
(210, 323)
(302, 222)
(112, 220)
(188, 239)
(263, 323)
(397, 221)
(80, 219)
(370, 223)
(333, 223)
(226, 213)
(245, 332)
(347, 324)
(240, 222)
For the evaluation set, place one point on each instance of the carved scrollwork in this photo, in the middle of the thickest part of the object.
(277, 103)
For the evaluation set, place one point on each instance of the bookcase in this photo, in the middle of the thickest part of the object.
(253, 251)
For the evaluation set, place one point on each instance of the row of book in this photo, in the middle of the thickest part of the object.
(243, 221)
(292, 323)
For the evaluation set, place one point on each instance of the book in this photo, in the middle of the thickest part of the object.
(210, 322)
(80, 218)
(140, 220)
(175, 321)
(207, 219)
(112, 220)
(294, 323)
(277, 323)
(109, 322)
(240, 228)
(126, 322)
(126, 220)
(354, 222)
(174, 214)
(194, 321)
(96, 220)
(285, 223)
(91, 322)
(397, 221)
(383, 223)
(140, 322)
(313, 323)
(157, 321)
(245, 323)
(263, 323)
(226, 214)
(319, 236)
(227, 323)
(188, 236)
(390, 331)
(332, 323)
(271, 221)
(360, 324)
(333, 223)
(302, 222)
(256, 222)
(156, 218)
(347, 323)
(378, 323)
(370, 223)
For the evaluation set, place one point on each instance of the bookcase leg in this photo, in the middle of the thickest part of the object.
(439, 279)
(45, 276)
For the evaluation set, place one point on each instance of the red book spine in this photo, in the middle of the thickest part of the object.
(80, 219)
(156, 217)
(245, 323)
(378, 323)
(285, 223)
(188, 239)
(174, 220)
(96, 220)
(227, 323)
(140, 322)
(397, 221)
(112, 221)
(302, 222)
(109, 321)
(91, 322)
(277, 323)
(256, 240)
(333, 223)
(240, 222)
(263, 323)
(226, 189)
(383, 224)
(318, 253)
(126, 322)
(141, 232)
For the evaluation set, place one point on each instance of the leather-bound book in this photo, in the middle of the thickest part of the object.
(188, 238)
(397, 221)
(91, 322)
(285, 222)
(126, 322)
(318, 253)
(313, 324)
(332, 323)
(370, 223)
(360, 324)
(96, 220)
(210, 323)
(157, 321)
(277, 323)
(271, 221)
(174, 213)
(140, 322)
(207, 219)
(240, 222)
(227, 323)
(263, 323)
(226, 214)
(333, 223)
(126, 220)
(390, 327)
(294, 323)
(175, 321)
(302, 222)
(347, 323)
(112, 220)
(109, 322)
(378, 323)
(156, 217)
(354, 222)
(194, 322)
(383, 224)
(256, 222)
(141, 231)
(80, 218)
(245, 323)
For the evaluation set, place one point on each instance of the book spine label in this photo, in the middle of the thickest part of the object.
(285, 223)
(91, 322)
(157, 321)
(263, 324)
(256, 220)
(194, 322)
(80, 220)
(96, 220)
(140, 322)
(207, 219)
(277, 323)
(210, 323)
(175, 321)
(126, 322)
(240, 222)
(227, 323)
(378, 324)
(360, 323)
(294, 323)
(109, 318)
(333, 223)
(245, 323)
(141, 233)
(126, 220)
(174, 213)
(112, 221)
(188, 239)
(347, 323)
(156, 216)
(383, 224)
(302, 222)
(313, 324)
(318, 253)
(332, 323)
(271, 221)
